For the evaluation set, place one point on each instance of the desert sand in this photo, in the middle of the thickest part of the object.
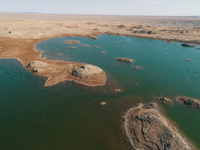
(19, 32)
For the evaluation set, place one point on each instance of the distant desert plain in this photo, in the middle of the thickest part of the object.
(19, 32)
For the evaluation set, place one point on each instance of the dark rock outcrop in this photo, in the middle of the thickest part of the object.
(191, 102)
(147, 129)
(151, 32)
(187, 45)
(36, 66)
(121, 26)
(125, 59)
(142, 31)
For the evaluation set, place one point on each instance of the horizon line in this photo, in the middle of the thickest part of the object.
(101, 14)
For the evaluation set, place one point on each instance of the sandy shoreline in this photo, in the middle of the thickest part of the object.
(20, 32)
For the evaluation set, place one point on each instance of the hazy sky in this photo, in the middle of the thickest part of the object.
(105, 7)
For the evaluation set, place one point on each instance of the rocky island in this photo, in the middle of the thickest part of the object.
(148, 129)
(125, 59)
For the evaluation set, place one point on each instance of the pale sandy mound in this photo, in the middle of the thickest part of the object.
(88, 74)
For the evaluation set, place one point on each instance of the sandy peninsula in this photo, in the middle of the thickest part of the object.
(20, 32)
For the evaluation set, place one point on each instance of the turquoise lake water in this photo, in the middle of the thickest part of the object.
(68, 115)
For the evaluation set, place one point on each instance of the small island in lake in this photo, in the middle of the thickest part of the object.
(149, 129)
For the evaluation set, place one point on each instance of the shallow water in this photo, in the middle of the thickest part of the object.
(68, 116)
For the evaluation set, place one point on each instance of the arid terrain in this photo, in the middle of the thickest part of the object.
(20, 32)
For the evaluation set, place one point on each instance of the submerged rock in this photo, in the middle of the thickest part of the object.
(147, 129)
(188, 60)
(86, 45)
(136, 84)
(118, 90)
(137, 67)
(103, 103)
(73, 42)
(103, 52)
(191, 102)
(125, 59)
(187, 45)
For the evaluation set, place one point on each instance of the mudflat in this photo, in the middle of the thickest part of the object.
(19, 32)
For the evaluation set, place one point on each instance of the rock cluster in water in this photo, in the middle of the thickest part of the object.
(147, 129)
(191, 102)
